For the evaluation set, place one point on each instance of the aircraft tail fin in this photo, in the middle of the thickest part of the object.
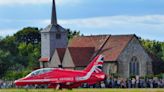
(96, 65)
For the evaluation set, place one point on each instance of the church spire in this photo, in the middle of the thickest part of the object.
(53, 17)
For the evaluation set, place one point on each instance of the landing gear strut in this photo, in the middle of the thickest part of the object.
(58, 86)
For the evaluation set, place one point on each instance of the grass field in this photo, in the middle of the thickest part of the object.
(82, 90)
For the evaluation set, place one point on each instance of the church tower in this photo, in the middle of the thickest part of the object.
(52, 37)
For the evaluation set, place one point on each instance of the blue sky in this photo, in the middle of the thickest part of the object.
(144, 18)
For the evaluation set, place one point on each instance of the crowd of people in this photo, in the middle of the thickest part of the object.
(112, 83)
(6, 84)
(129, 83)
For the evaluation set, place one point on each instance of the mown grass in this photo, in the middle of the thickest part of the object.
(82, 90)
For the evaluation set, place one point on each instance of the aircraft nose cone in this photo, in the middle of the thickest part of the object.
(17, 82)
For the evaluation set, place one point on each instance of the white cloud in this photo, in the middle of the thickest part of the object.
(149, 21)
(110, 21)
(24, 2)
(150, 26)
(5, 32)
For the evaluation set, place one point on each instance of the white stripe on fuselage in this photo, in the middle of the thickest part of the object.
(88, 75)
(48, 80)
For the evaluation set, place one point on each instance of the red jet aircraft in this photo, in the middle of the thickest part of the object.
(65, 78)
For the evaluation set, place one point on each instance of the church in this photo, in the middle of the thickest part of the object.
(123, 54)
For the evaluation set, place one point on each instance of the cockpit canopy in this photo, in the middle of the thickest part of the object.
(40, 71)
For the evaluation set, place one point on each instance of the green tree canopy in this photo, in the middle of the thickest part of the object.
(28, 35)
(20, 53)
(71, 34)
(154, 47)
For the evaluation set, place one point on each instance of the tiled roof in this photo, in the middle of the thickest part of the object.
(112, 46)
(95, 41)
(44, 59)
(61, 52)
(81, 55)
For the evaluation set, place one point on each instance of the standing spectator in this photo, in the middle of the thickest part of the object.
(146, 83)
(141, 83)
(133, 82)
(159, 83)
(123, 83)
(118, 83)
(113, 83)
(129, 83)
(162, 83)
(137, 83)
(150, 83)
(102, 84)
(155, 83)
(108, 82)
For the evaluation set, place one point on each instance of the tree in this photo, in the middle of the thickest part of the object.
(71, 34)
(28, 35)
(162, 51)
(9, 44)
(4, 62)
(21, 52)
(154, 47)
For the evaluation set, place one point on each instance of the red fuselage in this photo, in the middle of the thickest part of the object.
(65, 77)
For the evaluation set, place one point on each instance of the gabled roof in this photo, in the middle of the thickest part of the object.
(114, 46)
(95, 41)
(61, 52)
(81, 55)
(110, 46)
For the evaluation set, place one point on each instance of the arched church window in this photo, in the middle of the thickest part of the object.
(134, 66)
